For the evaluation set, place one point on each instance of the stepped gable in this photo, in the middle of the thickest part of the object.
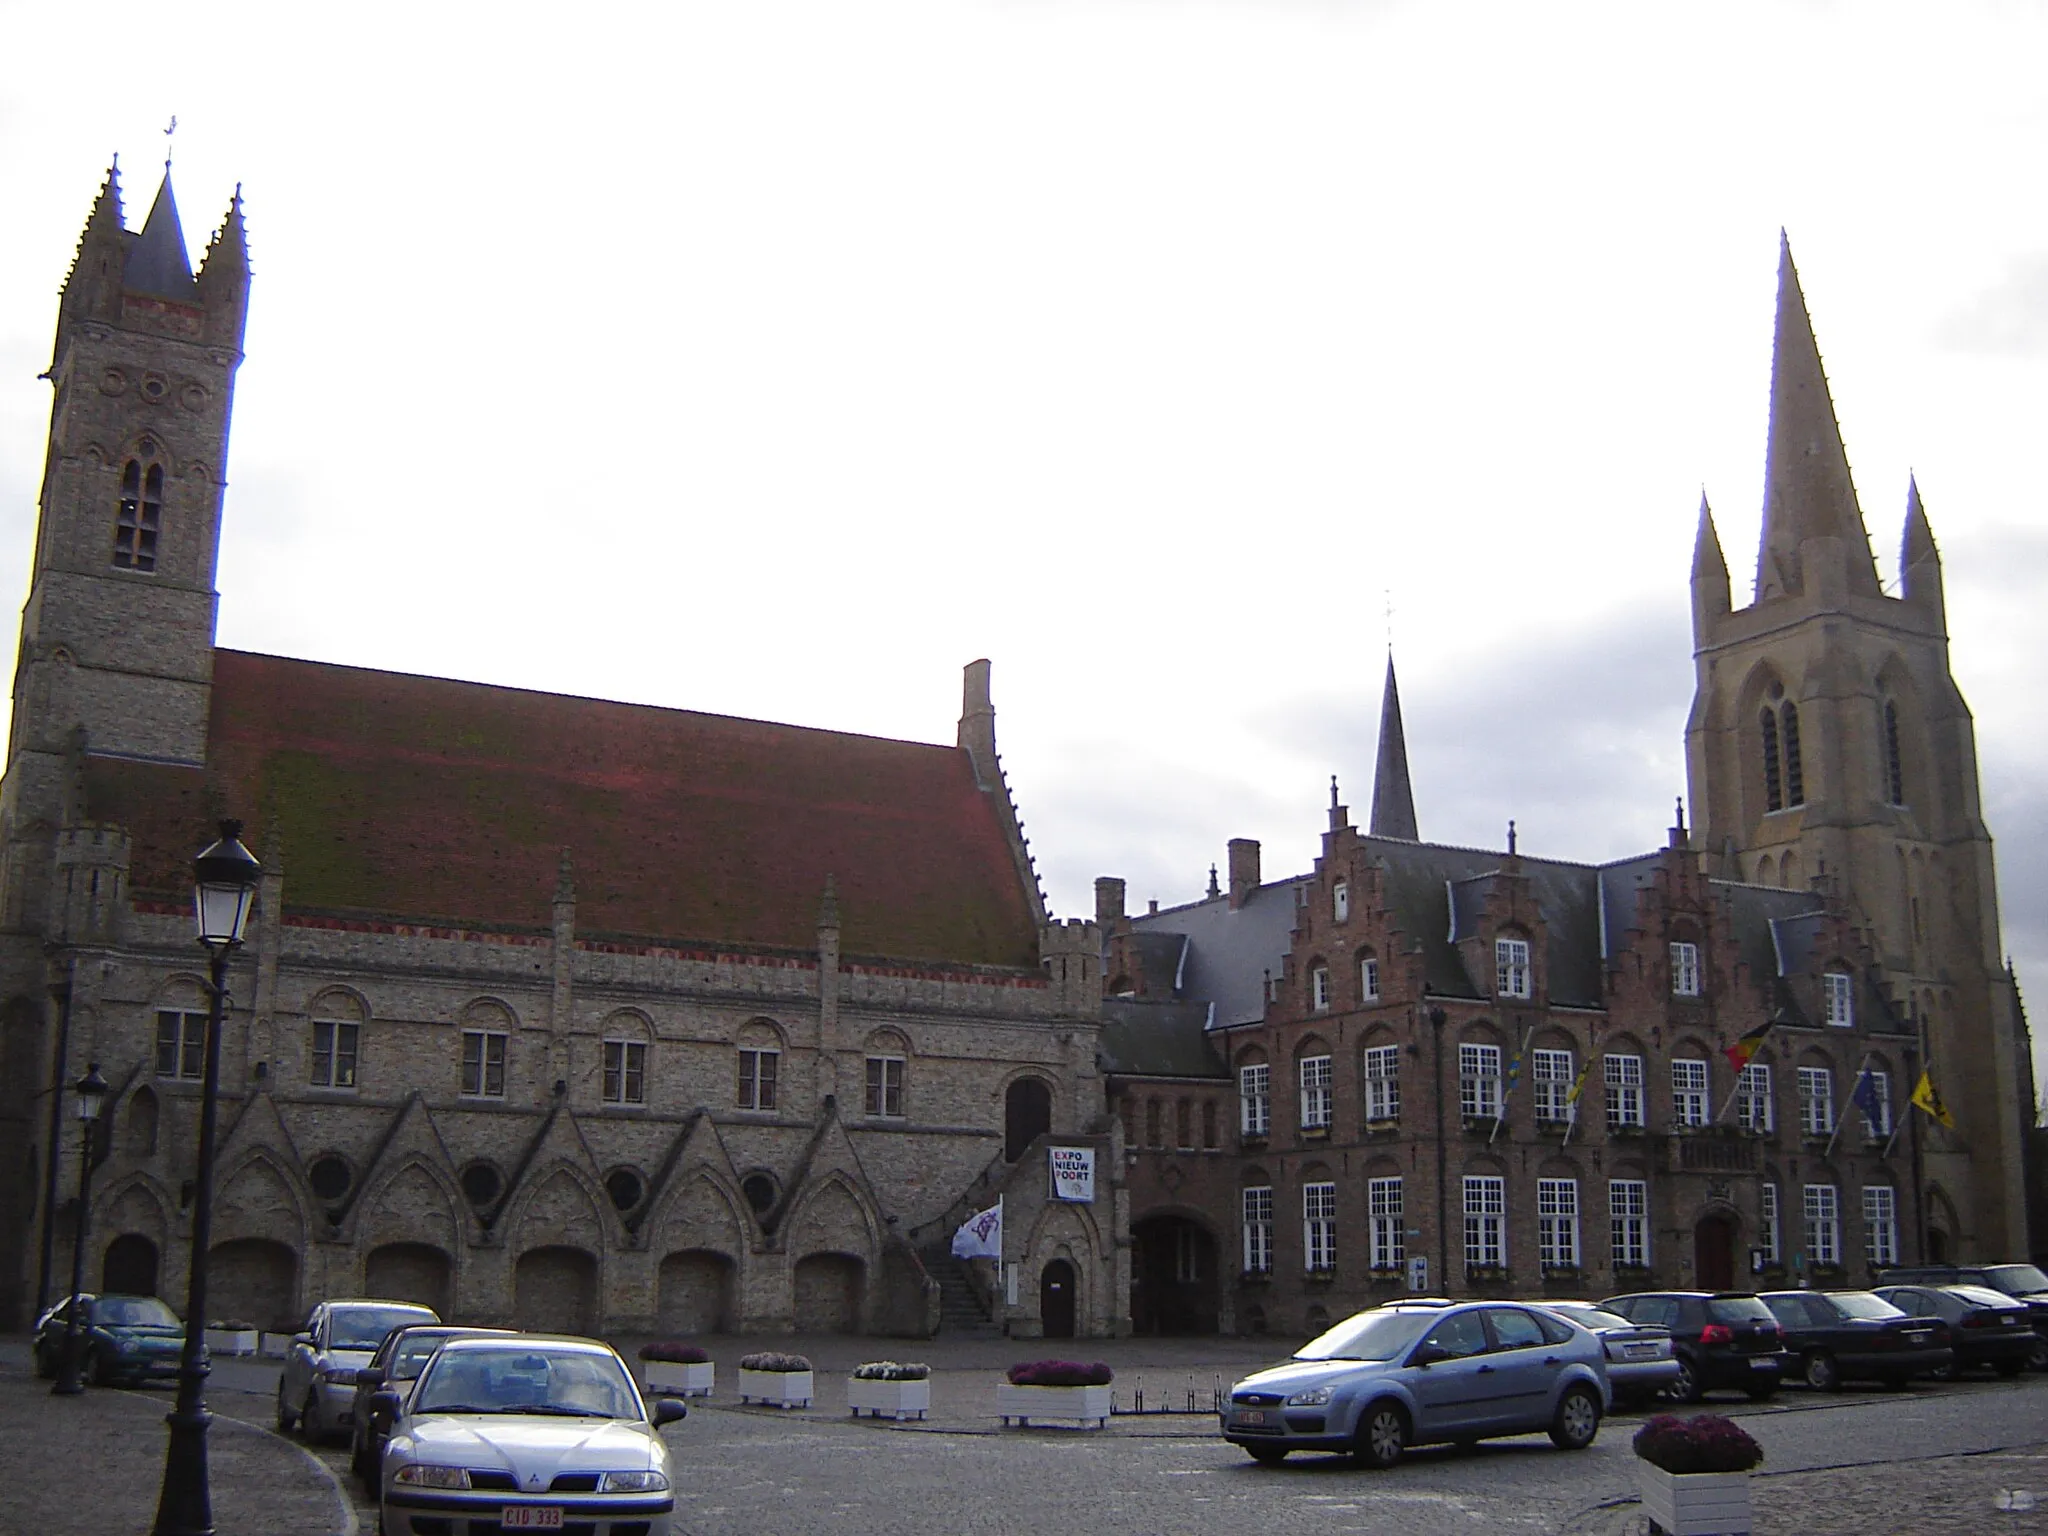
(420, 799)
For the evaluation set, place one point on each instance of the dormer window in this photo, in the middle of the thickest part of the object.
(1840, 996)
(1511, 967)
(1369, 979)
(1340, 900)
(1685, 970)
(141, 515)
(1319, 988)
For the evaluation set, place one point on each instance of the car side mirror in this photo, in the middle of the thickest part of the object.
(302, 1338)
(386, 1403)
(369, 1376)
(1428, 1354)
(667, 1410)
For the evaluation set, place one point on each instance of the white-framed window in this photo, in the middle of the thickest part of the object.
(1623, 1076)
(1628, 1212)
(1816, 1101)
(1879, 1126)
(1369, 979)
(625, 1072)
(483, 1063)
(1315, 1093)
(1557, 1223)
(1770, 1234)
(1340, 900)
(1511, 967)
(1880, 1224)
(1319, 1226)
(760, 1075)
(1478, 1081)
(1319, 988)
(1685, 970)
(1486, 1204)
(1689, 1105)
(1384, 1216)
(180, 1044)
(1383, 1082)
(1258, 1230)
(335, 1048)
(885, 1087)
(1552, 1073)
(1755, 1108)
(1823, 1224)
(1840, 994)
(1254, 1099)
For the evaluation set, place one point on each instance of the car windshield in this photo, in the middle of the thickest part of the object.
(412, 1355)
(2017, 1279)
(133, 1312)
(577, 1383)
(365, 1327)
(1594, 1317)
(1368, 1336)
(1738, 1309)
(1863, 1304)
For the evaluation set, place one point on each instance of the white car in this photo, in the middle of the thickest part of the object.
(526, 1432)
(316, 1390)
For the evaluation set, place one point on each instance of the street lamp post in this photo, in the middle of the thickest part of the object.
(91, 1091)
(224, 880)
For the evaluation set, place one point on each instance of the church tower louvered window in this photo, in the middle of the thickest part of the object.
(1795, 778)
(1774, 784)
(1894, 777)
(141, 514)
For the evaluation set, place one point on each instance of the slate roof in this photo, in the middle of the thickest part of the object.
(1157, 1039)
(158, 262)
(420, 799)
(1229, 954)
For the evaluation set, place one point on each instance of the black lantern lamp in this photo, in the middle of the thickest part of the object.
(224, 880)
(90, 1092)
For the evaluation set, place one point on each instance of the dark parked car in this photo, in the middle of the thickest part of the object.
(1721, 1339)
(1854, 1336)
(394, 1368)
(2022, 1282)
(1985, 1327)
(120, 1338)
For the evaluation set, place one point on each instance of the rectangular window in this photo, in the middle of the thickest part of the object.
(1624, 1079)
(1319, 1226)
(1823, 1224)
(1315, 1093)
(625, 1072)
(1319, 988)
(1685, 970)
(760, 1072)
(1340, 901)
(1486, 1204)
(1184, 1125)
(1254, 1099)
(1511, 967)
(1879, 1126)
(180, 1044)
(1816, 1101)
(1689, 1104)
(483, 1064)
(1209, 1124)
(885, 1087)
(1552, 1073)
(1369, 980)
(1155, 1123)
(1557, 1223)
(1755, 1110)
(1841, 1003)
(1383, 1082)
(334, 1054)
(1383, 1211)
(1880, 1225)
(1769, 1233)
(1478, 1081)
(1628, 1210)
(1258, 1231)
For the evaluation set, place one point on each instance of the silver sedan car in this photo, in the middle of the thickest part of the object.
(1640, 1364)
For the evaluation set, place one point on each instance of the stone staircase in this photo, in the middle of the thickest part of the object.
(961, 1314)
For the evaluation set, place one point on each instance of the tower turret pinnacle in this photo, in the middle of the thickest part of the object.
(223, 281)
(1919, 561)
(1393, 798)
(1710, 598)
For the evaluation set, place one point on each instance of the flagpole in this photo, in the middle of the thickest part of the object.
(1514, 1076)
(1855, 1082)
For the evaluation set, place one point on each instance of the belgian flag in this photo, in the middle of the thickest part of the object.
(1743, 1049)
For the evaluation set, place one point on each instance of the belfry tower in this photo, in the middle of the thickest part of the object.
(1828, 745)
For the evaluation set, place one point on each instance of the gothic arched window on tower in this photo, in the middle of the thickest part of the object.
(141, 516)
(1795, 779)
(1894, 778)
(1774, 793)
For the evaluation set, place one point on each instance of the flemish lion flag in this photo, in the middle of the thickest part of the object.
(1579, 1082)
(1928, 1097)
(1743, 1049)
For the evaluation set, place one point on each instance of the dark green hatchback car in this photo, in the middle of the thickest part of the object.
(122, 1338)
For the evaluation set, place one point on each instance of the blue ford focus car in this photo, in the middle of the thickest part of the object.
(1421, 1374)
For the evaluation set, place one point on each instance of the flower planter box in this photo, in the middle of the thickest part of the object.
(273, 1346)
(778, 1389)
(1085, 1404)
(1695, 1503)
(232, 1341)
(676, 1378)
(898, 1399)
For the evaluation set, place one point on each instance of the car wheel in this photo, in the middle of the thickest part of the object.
(1822, 1374)
(2009, 1368)
(309, 1421)
(46, 1363)
(1268, 1455)
(1687, 1388)
(286, 1419)
(1577, 1421)
(1763, 1394)
(1382, 1435)
(1946, 1372)
(2037, 1355)
(92, 1368)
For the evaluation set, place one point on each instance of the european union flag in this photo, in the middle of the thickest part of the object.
(1874, 1108)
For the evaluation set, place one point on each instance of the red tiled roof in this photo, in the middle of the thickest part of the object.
(418, 798)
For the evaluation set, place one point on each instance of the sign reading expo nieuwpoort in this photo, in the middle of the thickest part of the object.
(1073, 1173)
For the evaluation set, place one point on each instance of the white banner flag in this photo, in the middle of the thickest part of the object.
(980, 1235)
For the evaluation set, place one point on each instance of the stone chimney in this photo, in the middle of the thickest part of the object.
(1109, 902)
(1244, 869)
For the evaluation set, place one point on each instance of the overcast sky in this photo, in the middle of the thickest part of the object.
(777, 358)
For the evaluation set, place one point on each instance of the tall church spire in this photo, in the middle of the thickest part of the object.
(1808, 493)
(1710, 599)
(1393, 800)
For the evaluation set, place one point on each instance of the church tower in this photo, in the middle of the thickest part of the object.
(1829, 746)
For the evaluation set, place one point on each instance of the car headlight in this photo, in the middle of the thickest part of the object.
(127, 1346)
(633, 1482)
(418, 1475)
(1314, 1397)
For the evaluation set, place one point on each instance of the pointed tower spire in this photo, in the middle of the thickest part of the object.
(1393, 799)
(223, 281)
(1808, 492)
(1919, 560)
(158, 262)
(1710, 599)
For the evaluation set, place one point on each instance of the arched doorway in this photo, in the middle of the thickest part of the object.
(829, 1292)
(1173, 1277)
(416, 1272)
(1713, 1252)
(554, 1290)
(129, 1268)
(1027, 1115)
(1056, 1299)
(255, 1280)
